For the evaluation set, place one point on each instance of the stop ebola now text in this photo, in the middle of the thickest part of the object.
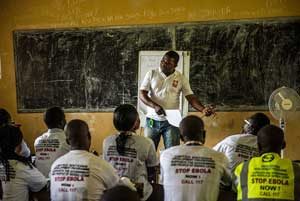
(69, 178)
(193, 170)
(270, 181)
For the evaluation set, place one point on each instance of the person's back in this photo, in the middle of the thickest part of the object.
(52, 144)
(238, 148)
(191, 171)
(80, 175)
(130, 155)
(242, 147)
(268, 177)
(17, 174)
(139, 154)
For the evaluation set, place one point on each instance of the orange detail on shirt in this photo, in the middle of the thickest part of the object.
(175, 83)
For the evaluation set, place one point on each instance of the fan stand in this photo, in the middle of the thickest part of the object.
(282, 125)
(282, 102)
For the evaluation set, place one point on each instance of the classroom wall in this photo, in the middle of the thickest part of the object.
(37, 14)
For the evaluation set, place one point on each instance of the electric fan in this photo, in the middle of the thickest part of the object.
(282, 103)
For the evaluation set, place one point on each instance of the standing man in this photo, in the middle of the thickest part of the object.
(191, 171)
(241, 147)
(160, 91)
(268, 177)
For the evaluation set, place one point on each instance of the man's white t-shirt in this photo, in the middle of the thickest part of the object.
(165, 90)
(139, 154)
(193, 173)
(48, 147)
(238, 148)
(80, 175)
(25, 151)
(22, 179)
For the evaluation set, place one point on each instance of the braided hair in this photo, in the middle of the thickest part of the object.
(124, 120)
(10, 138)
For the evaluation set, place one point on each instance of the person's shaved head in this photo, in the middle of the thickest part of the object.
(192, 128)
(255, 123)
(270, 139)
(54, 117)
(78, 135)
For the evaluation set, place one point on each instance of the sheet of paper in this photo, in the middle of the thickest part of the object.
(174, 117)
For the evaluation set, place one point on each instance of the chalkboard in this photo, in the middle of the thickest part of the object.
(81, 69)
(234, 64)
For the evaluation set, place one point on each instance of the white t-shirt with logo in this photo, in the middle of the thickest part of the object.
(22, 179)
(80, 175)
(139, 154)
(165, 90)
(238, 148)
(193, 173)
(48, 147)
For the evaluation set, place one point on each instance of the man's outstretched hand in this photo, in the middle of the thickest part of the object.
(209, 110)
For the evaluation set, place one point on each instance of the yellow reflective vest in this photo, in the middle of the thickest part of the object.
(267, 177)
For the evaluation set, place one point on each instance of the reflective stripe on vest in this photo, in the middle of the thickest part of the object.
(266, 177)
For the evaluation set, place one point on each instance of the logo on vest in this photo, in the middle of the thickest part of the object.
(175, 83)
(268, 158)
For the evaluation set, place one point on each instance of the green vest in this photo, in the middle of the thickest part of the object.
(268, 177)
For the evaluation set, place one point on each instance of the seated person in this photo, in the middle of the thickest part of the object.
(79, 174)
(268, 177)
(17, 174)
(52, 144)
(132, 155)
(191, 171)
(241, 147)
(5, 119)
(120, 193)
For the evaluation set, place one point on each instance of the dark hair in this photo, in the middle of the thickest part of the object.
(192, 127)
(75, 131)
(125, 117)
(118, 193)
(10, 138)
(258, 121)
(173, 54)
(54, 118)
(270, 138)
(4, 117)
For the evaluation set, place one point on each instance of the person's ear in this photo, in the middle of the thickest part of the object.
(181, 137)
(89, 136)
(18, 149)
(259, 147)
(136, 124)
(67, 140)
(63, 123)
(203, 136)
(283, 145)
(89, 139)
